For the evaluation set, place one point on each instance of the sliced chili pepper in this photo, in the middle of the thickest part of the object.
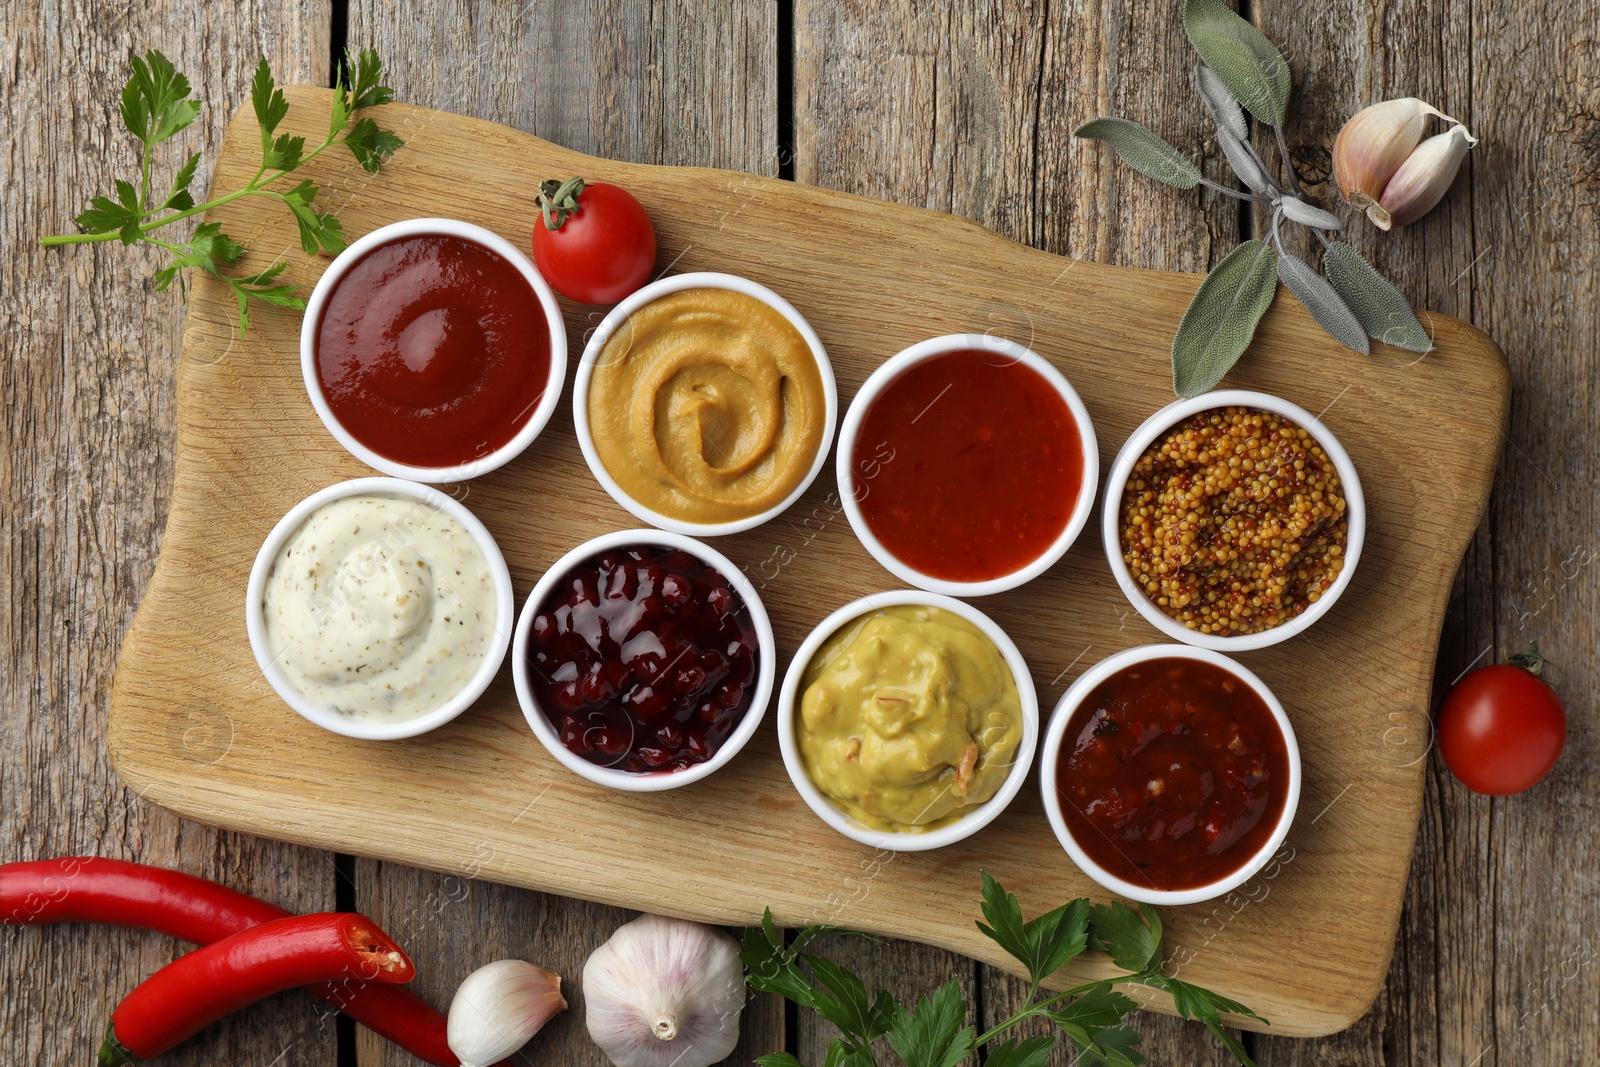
(196, 990)
(114, 892)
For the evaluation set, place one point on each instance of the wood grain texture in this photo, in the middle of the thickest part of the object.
(1496, 962)
(688, 84)
(87, 363)
(249, 447)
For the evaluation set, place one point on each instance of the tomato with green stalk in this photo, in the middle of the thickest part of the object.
(1502, 727)
(594, 242)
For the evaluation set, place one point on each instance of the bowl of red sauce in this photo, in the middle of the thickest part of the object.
(967, 465)
(643, 660)
(433, 350)
(1170, 774)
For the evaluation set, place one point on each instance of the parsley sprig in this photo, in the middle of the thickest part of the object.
(157, 105)
(935, 1033)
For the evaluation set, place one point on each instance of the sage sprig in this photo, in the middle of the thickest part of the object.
(1242, 75)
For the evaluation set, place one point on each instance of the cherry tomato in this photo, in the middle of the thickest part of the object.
(1501, 728)
(593, 242)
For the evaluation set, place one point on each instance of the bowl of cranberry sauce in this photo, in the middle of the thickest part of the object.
(644, 660)
(967, 465)
(1170, 774)
(432, 350)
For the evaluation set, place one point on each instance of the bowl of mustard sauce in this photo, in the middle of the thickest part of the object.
(908, 720)
(705, 404)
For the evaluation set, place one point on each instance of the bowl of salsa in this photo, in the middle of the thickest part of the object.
(1170, 774)
(433, 351)
(967, 465)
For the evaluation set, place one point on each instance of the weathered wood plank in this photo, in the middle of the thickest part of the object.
(87, 356)
(666, 83)
(972, 112)
(1494, 963)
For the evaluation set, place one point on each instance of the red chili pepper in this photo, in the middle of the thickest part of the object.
(196, 990)
(96, 890)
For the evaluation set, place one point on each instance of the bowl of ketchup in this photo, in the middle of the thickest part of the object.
(1170, 774)
(433, 350)
(967, 465)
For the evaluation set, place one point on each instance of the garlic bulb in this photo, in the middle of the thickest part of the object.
(1373, 145)
(498, 1008)
(665, 993)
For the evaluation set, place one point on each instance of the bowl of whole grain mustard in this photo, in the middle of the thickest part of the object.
(1233, 520)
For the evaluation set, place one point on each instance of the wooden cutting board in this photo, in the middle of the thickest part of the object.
(195, 728)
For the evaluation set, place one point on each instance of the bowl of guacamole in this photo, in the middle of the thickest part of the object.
(908, 720)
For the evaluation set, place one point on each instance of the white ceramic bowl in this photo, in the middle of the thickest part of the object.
(972, 821)
(897, 365)
(654, 781)
(614, 320)
(1055, 735)
(1156, 426)
(504, 609)
(312, 323)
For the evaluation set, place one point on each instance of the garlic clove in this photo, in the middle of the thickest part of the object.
(1372, 146)
(1426, 175)
(498, 1008)
(665, 993)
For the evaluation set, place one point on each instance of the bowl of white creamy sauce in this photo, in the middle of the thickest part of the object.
(379, 608)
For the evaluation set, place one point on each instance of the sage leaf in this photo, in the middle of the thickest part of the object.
(1297, 210)
(1325, 305)
(1247, 63)
(1143, 151)
(1381, 308)
(1243, 163)
(1222, 317)
(1224, 108)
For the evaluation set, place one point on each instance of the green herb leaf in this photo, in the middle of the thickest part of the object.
(1297, 210)
(371, 145)
(1143, 151)
(1034, 1052)
(934, 1034)
(1044, 945)
(270, 107)
(770, 967)
(155, 103)
(778, 1059)
(1224, 107)
(1245, 61)
(850, 1009)
(1131, 938)
(1099, 1007)
(284, 153)
(1215, 331)
(107, 216)
(179, 199)
(1380, 307)
(368, 76)
(1116, 1047)
(209, 240)
(1243, 163)
(1195, 1002)
(317, 231)
(1325, 305)
(843, 1054)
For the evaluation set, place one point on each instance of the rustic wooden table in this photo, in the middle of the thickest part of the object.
(931, 104)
